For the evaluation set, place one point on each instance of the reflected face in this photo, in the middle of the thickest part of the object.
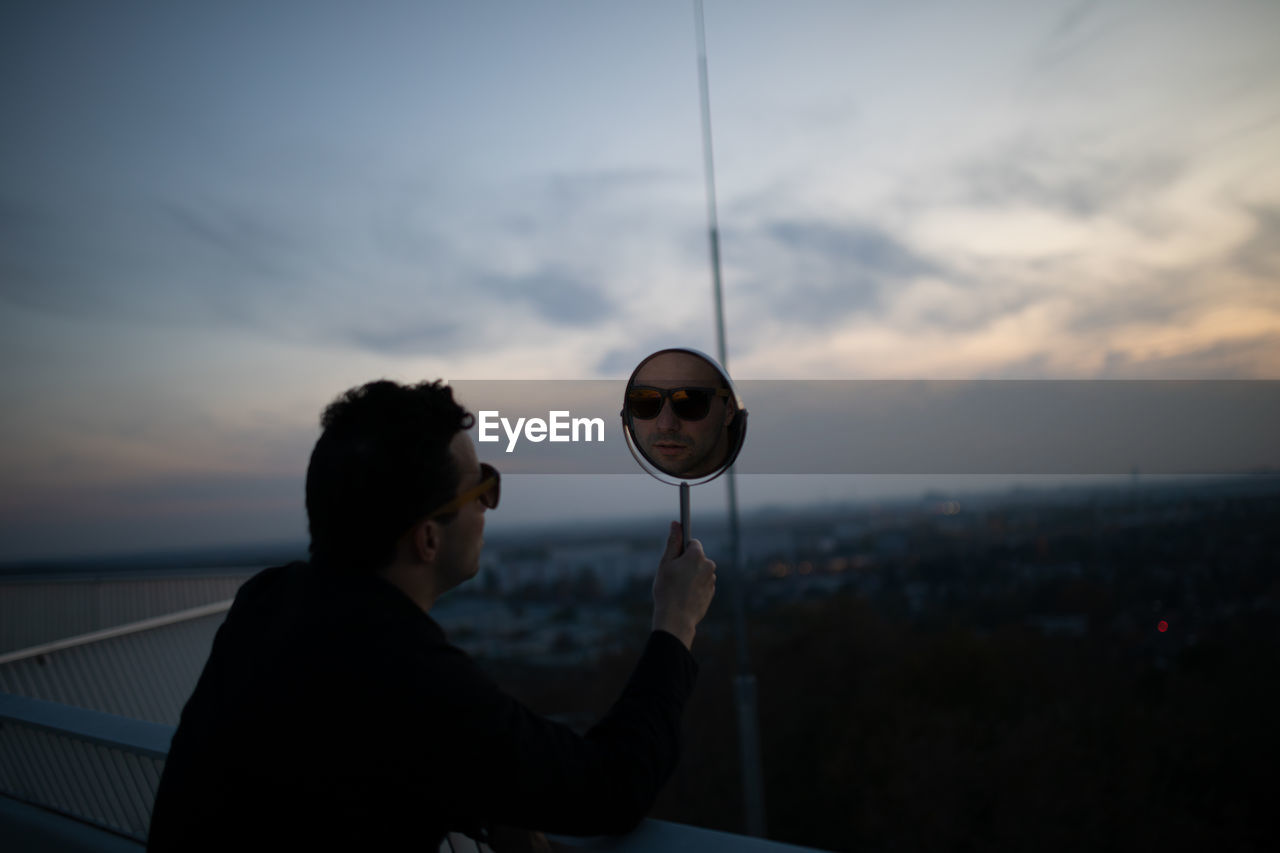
(679, 447)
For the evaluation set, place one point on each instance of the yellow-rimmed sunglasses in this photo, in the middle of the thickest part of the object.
(488, 491)
(691, 403)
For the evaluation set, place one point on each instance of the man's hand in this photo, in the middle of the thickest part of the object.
(683, 588)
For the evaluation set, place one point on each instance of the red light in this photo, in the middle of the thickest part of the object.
(1163, 626)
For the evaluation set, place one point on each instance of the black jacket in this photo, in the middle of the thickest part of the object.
(333, 711)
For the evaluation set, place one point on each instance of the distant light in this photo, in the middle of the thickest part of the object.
(1162, 626)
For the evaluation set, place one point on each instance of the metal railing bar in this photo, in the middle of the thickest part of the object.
(39, 724)
(117, 631)
(140, 736)
(80, 819)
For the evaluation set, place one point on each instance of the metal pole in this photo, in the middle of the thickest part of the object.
(709, 174)
(745, 682)
(686, 533)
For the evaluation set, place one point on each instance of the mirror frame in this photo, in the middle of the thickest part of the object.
(648, 466)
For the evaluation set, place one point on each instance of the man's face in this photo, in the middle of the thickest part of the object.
(679, 447)
(462, 538)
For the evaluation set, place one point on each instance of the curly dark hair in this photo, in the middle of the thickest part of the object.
(381, 461)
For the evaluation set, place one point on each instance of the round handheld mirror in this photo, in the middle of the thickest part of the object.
(683, 420)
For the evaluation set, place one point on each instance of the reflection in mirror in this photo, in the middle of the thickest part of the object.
(683, 416)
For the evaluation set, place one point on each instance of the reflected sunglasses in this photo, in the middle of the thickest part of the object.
(488, 491)
(688, 404)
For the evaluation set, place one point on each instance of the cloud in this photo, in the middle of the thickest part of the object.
(1063, 177)
(99, 263)
(1075, 29)
(1042, 257)
(1237, 278)
(817, 272)
(408, 339)
(377, 277)
(1256, 357)
(124, 259)
(1147, 298)
(557, 295)
(620, 361)
(573, 191)
(387, 272)
(247, 241)
(1260, 255)
(37, 269)
(865, 246)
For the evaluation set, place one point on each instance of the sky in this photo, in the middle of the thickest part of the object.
(214, 217)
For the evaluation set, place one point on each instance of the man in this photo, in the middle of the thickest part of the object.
(681, 413)
(332, 711)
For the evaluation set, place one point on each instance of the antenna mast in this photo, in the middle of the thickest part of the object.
(745, 682)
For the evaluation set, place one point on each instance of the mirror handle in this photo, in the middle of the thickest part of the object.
(684, 517)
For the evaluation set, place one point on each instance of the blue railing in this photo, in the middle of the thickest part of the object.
(100, 772)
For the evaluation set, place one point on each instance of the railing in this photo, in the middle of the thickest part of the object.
(101, 770)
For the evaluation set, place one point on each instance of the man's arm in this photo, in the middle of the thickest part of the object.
(509, 766)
